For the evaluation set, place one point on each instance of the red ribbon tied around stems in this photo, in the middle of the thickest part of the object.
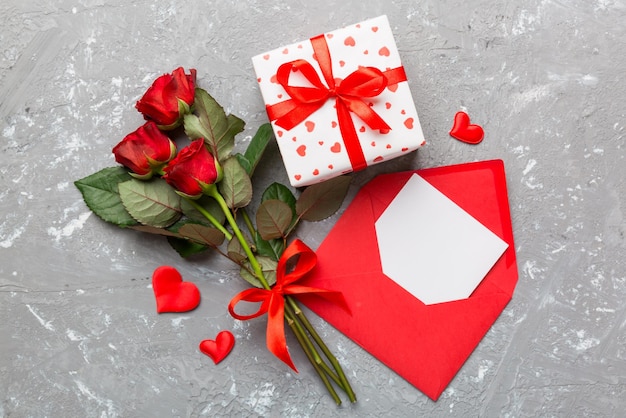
(273, 302)
(365, 82)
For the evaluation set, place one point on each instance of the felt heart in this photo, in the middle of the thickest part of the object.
(220, 348)
(171, 293)
(464, 131)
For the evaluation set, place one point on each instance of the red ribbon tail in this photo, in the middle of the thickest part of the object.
(275, 335)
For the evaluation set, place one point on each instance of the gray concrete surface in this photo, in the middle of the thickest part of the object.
(80, 336)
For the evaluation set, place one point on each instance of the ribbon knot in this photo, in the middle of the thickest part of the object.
(349, 94)
(273, 302)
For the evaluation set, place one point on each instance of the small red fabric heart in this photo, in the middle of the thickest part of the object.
(220, 348)
(172, 293)
(464, 131)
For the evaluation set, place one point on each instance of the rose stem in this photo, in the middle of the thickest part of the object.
(214, 193)
(302, 340)
(248, 223)
(210, 217)
(314, 354)
(333, 360)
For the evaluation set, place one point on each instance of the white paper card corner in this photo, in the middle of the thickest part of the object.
(431, 247)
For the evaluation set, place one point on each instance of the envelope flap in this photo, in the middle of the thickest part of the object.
(383, 189)
(356, 225)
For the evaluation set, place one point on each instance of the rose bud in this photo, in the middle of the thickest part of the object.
(193, 170)
(145, 151)
(169, 98)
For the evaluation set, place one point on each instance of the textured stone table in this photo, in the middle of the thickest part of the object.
(80, 335)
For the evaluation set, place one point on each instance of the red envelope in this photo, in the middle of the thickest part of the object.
(425, 344)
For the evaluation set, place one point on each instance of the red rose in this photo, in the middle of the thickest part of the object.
(192, 170)
(169, 98)
(145, 151)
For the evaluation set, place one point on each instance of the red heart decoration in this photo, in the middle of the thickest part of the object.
(464, 131)
(171, 293)
(220, 348)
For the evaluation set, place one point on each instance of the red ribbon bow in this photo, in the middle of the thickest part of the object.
(273, 302)
(349, 93)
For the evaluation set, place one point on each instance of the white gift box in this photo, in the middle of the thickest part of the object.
(316, 147)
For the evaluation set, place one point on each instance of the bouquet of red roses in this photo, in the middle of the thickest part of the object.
(197, 196)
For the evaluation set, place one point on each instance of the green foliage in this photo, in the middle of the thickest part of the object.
(244, 163)
(154, 207)
(236, 186)
(272, 248)
(280, 192)
(201, 234)
(207, 203)
(101, 194)
(251, 158)
(156, 231)
(235, 251)
(152, 202)
(322, 200)
(273, 219)
(269, 271)
(213, 125)
(184, 247)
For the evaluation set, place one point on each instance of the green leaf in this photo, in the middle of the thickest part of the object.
(175, 227)
(269, 271)
(273, 218)
(101, 194)
(184, 247)
(201, 234)
(152, 202)
(321, 200)
(207, 203)
(225, 146)
(235, 251)
(257, 146)
(212, 124)
(272, 248)
(244, 163)
(280, 192)
(154, 230)
(194, 128)
(236, 186)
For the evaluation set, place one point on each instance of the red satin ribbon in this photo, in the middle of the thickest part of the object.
(273, 302)
(349, 93)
